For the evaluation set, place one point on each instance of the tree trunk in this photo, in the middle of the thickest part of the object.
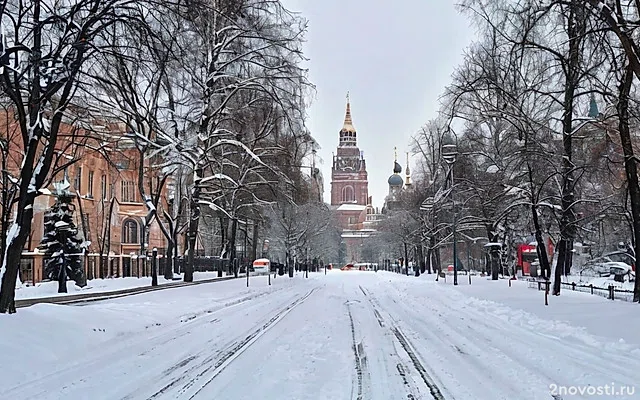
(254, 242)
(493, 259)
(630, 166)
(562, 249)
(154, 267)
(224, 225)
(168, 261)
(232, 245)
(289, 264)
(575, 29)
(541, 249)
(8, 194)
(420, 256)
(194, 221)
(176, 254)
(13, 253)
(62, 273)
(431, 264)
(406, 259)
(568, 258)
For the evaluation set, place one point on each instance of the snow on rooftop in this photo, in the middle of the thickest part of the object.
(351, 207)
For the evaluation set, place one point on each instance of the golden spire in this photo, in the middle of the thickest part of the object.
(348, 122)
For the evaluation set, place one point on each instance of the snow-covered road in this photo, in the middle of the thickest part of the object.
(346, 335)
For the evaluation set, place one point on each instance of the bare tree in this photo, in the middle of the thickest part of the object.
(621, 20)
(235, 47)
(43, 54)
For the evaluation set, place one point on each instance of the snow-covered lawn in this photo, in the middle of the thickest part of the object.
(50, 289)
(602, 281)
(571, 314)
(345, 335)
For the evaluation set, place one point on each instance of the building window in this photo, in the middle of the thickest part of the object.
(348, 195)
(128, 191)
(90, 191)
(130, 231)
(77, 182)
(103, 186)
(353, 220)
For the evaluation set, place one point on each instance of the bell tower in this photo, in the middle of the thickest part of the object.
(349, 183)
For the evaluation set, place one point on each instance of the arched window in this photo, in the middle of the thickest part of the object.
(130, 232)
(348, 195)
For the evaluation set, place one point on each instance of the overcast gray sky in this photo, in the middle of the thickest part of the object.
(395, 58)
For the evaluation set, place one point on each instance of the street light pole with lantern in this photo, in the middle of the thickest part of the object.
(449, 155)
(427, 206)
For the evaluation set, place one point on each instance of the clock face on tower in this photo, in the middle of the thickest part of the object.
(347, 164)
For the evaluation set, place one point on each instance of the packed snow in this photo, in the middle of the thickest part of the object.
(344, 335)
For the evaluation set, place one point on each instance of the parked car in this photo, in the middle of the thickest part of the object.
(347, 267)
(262, 266)
(608, 264)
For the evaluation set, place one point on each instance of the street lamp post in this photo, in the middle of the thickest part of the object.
(427, 205)
(449, 155)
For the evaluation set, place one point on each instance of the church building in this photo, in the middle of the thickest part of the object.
(349, 191)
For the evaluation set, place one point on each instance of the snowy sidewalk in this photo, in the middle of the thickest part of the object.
(99, 286)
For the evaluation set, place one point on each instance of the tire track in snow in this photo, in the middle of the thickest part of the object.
(434, 390)
(165, 335)
(220, 360)
(358, 354)
(426, 378)
(549, 351)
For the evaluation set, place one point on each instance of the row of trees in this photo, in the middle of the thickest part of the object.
(544, 111)
(211, 94)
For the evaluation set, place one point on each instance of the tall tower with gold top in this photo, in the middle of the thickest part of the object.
(349, 183)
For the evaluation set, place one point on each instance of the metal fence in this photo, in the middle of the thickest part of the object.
(123, 265)
(610, 292)
(200, 264)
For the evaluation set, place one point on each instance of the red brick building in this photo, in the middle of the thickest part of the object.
(106, 172)
(350, 190)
